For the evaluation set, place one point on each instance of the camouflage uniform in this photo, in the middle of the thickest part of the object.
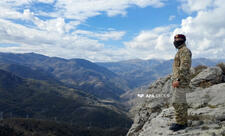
(181, 72)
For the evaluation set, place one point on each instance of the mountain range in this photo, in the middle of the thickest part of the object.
(78, 91)
(21, 97)
(36, 86)
(143, 72)
(76, 73)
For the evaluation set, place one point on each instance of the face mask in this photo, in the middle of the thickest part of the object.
(178, 43)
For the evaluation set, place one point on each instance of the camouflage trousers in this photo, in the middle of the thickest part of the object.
(179, 103)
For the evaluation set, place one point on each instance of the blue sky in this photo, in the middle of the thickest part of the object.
(136, 20)
(112, 30)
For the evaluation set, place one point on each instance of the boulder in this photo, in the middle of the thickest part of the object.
(208, 77)
(212, 96)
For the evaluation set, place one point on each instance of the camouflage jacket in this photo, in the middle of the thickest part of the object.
(182, 65)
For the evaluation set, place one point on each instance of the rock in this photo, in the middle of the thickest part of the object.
(217, 93)
(192, 70)
(139, 121)
(196, 123)
(215, 126)
(212, 97)
(151, 106)
(223, 133)
(198, 98)
(220, 117)
(206, 108)
(213, 134)
(208, 77)
(159, 124)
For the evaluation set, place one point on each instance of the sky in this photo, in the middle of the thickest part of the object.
(112, 30)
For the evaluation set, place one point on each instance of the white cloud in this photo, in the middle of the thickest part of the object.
(34, 39)
(144, 3)
(153, 39)
(80, 9)
(155, 43)
(46, 1)
(113, 35)
(190, 6)
(53, 36)
(206, 31)
(83, 9)
(205, 34)
(55, 44)
(13, 3)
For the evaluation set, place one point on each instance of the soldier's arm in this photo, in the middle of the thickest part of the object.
(185, 64)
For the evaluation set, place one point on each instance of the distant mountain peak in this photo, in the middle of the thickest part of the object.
(77, 73)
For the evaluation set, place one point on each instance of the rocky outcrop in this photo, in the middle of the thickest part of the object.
(206, 108)
(154, 100)
(208, 77)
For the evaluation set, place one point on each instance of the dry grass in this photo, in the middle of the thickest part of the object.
(205, 128)
(205, 84)
(222, 66)
(201, 117)
(212, 106)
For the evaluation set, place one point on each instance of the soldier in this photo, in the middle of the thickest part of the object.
(181, 80)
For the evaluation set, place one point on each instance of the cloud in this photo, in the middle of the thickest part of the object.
(37, 39)
(156, 43)
(113, 35)
(205, 34)
(79, 9)
(46, 1)
(152, 39)
(54, 32)
(58, 34)
(13, 3)
(84, 9)
(190, 6)
(205, 31)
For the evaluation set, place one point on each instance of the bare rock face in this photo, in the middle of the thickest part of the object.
(159, 126)
(213, 96)
(155, 99)
(207, 77)
(206, 111)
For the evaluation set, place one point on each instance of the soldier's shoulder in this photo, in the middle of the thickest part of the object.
(184, 52)
(185, 49)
